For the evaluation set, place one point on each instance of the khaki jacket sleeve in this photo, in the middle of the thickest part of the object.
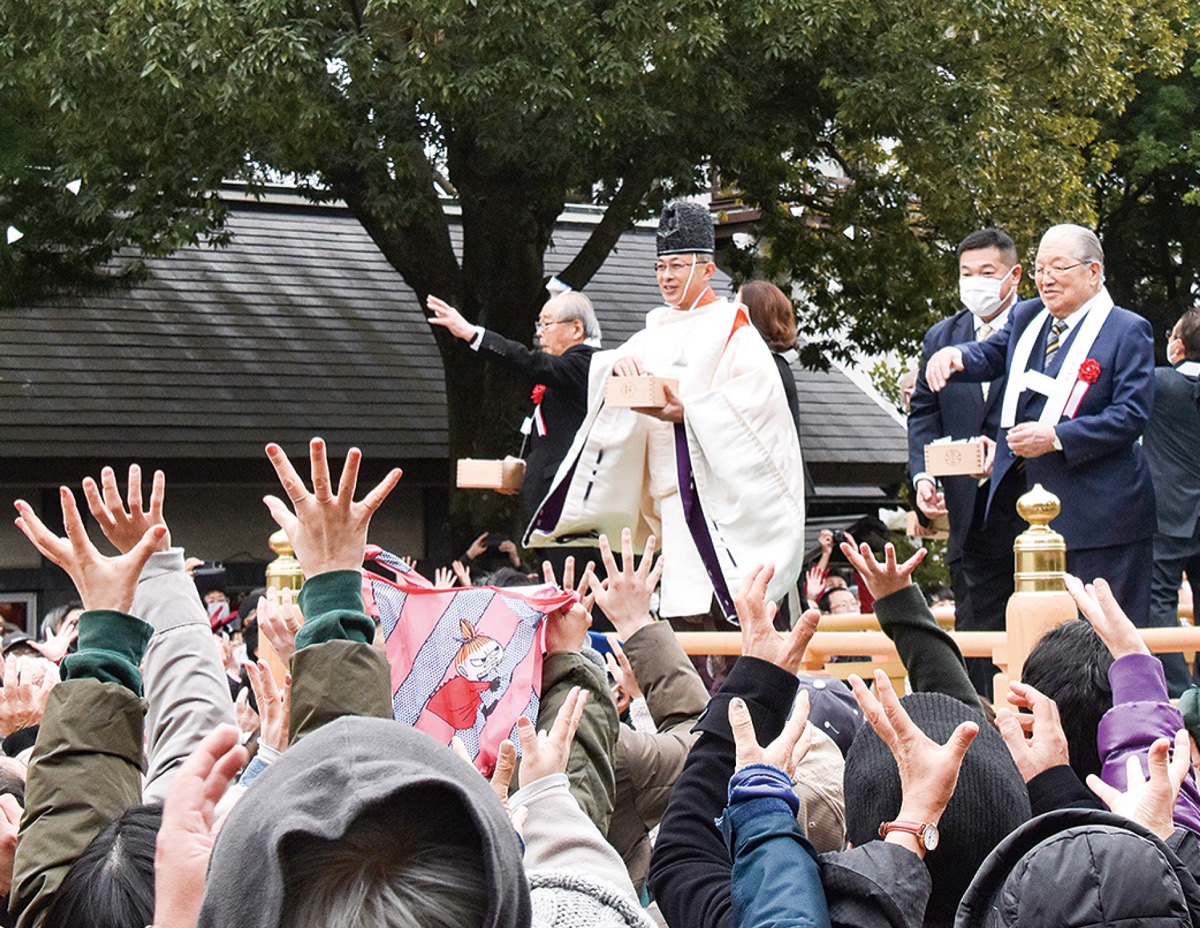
(674, 692)
(86, 771)
(590, 766)
(337, 678)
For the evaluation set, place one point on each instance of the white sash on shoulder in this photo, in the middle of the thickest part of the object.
(1057, 390)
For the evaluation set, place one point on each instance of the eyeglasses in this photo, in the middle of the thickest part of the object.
(1057, 272)
(539, 325)
(673, 267)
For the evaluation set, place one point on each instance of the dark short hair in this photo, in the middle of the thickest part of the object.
(111, 884)
(989, 238)
(1188, 330)
(1070, 665)
(772, 314)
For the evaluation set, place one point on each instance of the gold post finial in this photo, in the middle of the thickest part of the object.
(1040, 554)
(284, 571)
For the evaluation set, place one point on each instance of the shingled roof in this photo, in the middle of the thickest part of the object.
(300, 327)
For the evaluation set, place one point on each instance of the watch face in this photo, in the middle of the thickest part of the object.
(929, 837)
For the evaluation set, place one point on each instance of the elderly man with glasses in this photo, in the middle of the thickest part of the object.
(715, 474)
(567, 333)
(1078, 393)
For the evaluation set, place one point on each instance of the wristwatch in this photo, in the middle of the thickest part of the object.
(926, 832)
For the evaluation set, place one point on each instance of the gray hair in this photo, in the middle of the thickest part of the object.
(1084, 243)
(392, 869)
(572, 306)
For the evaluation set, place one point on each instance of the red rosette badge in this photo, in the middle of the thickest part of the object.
(1089, 373)
(540, 390)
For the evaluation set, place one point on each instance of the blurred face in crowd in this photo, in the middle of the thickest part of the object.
(554, 335)
(215, 596)
(1064, 282)
(842, 602)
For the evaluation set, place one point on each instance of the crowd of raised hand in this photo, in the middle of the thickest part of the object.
(129, 797)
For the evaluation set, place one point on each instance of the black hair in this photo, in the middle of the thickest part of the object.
(504, 577)
(938, 592)
(12, 784)
(824, 603)
(989, 238)
(1070, 665)
(1188, 330)
(111, 885)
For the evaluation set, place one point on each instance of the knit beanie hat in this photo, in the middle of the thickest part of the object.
(570, 900)
(989, 802)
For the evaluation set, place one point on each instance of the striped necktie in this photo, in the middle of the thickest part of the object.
(1052, 341)
(981, 335)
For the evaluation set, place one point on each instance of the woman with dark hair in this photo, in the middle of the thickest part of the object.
(775, 318)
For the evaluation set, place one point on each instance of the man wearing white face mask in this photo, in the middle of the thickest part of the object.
(979, 552)
(716, 473)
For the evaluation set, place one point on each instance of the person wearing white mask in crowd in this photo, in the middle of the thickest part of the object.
(979, 552)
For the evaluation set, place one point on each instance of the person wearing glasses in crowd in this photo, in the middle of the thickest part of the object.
(715, 474)
(567, 333)
(1079, 388)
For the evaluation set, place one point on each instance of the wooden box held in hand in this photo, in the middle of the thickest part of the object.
(505, 476)
(952, 458)
(645, 390)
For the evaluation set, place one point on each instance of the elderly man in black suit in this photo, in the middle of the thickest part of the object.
(1172, 447)
(568, 334)
(979, 552)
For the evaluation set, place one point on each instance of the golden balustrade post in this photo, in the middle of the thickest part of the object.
(282, 573)
(1040, 600)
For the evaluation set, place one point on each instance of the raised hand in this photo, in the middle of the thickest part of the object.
(279, 620)
(622, 673)
(102, 582)
(1036, 742)
(449, 318)
(814, 583)
(327, 531)
(1150, 802)
(58, 643)
(785, 752)
(189, 827)
(625, 595)
(274, 705)
(1100, 607)
(27, 686)
(125, 527)
(544, 753)
(443, 579)
(757, 617)
(886, 578)
(566, 629)
(928, 770)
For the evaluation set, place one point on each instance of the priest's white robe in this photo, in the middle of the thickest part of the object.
(741, 502)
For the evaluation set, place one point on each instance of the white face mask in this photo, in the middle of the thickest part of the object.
(981, 295)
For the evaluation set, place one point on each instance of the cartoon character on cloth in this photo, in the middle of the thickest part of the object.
(458, 700)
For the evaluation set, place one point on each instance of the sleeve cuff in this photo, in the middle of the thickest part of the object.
(923, 476)
(475, 342)
(332, 606)
(111, 646)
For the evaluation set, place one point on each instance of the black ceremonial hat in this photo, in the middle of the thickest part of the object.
(685, 228)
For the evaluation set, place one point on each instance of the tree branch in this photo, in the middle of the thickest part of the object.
(616, 220)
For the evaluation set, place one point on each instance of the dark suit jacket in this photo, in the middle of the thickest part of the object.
(564, 406)
(1100, 476)
(1172, 447)
(958, 411)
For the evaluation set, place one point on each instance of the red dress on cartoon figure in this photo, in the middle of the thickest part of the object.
(457, 701)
